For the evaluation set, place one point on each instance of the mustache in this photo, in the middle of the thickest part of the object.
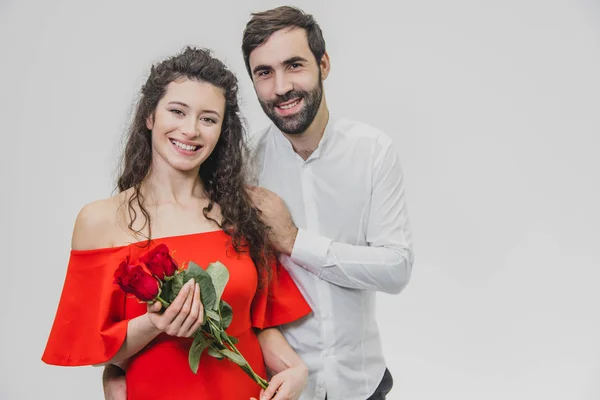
(292, 94)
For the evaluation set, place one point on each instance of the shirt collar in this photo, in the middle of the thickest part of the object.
(284, 143)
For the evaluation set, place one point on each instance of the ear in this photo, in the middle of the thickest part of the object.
(150, 122)
(325, 65)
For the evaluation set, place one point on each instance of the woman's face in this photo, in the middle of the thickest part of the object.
(186, 124)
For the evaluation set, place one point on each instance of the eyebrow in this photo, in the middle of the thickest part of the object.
(294, 60)
(289, 61)
(186, 106)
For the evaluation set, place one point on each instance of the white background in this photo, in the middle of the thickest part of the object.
(495, 106)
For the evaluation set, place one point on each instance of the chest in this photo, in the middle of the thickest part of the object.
(204, 249)
(164, 220)
(171, 220)
(329, 195)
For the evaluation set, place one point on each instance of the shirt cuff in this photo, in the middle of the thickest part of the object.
(310, 251)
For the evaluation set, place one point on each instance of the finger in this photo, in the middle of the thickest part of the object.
(282, 393)
(262, 391)
(261, 191)
(200, 317)
(254, 196)
(175, 328)
(272, 388)
(192, 318)
(194, 328)
(173, 310)
(154, 307)
(257, 192)
(201, 309)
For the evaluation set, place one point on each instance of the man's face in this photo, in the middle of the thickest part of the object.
(288, 80)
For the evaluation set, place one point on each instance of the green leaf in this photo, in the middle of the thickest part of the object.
(226, 314)
(207, 289)
(216, 332)
(205, 327)
(165, 290)
(233, 340)
(193, 268)
(214, 353)
(176, 284)
(220, 276)
(236, 358)
(213, 315)
(200, 343)
(224, 335)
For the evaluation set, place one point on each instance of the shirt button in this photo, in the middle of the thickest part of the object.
(320, 389)
(328, 352)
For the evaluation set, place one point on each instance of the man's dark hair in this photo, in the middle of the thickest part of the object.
(264, 24)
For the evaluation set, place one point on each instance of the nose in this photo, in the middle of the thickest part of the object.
(282, 84)
(189, 128)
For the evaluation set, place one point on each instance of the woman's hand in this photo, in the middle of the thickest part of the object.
(286, 385)
(183, 317)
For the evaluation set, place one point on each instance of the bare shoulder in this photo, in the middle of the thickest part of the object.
(95, 225)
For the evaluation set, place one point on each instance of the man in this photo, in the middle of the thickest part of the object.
(332, 191)
(346, 233)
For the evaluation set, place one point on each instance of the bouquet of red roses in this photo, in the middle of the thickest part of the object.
(157, 277)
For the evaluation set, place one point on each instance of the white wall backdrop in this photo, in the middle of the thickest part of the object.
(495, 106)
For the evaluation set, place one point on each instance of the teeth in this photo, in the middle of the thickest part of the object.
(183, 146)
(288, 106)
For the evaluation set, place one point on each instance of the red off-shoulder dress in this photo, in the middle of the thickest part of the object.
(91, 321)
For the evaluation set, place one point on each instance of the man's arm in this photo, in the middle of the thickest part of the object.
(385, 264)
(113, 383)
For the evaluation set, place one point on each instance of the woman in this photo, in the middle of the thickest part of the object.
(182, 184)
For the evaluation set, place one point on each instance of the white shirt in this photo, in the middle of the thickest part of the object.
(347, 200)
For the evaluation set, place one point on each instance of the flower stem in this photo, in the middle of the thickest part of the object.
(220, 344)
(248, 369)
(164, 303)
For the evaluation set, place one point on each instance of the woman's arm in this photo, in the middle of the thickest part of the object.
(185, 311)
(94, 228)
(277, 353)
(287, 368)
(182, 318)
(140, 331)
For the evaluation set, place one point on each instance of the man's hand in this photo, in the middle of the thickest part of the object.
(113, 383)
(275, 214)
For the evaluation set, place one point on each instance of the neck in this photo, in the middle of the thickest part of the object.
(305, 143)
(167, 185)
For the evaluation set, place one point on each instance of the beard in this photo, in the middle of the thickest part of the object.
(299, 122)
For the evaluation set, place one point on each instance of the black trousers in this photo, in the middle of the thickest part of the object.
(383, 388)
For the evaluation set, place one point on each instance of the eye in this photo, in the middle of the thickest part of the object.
(263, 73)
(295, 65)
(177, 112)
(209, 120)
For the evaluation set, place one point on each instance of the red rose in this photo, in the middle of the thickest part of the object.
(134, 280)
(159, 262)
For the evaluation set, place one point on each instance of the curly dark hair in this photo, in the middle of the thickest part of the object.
(222, 173)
